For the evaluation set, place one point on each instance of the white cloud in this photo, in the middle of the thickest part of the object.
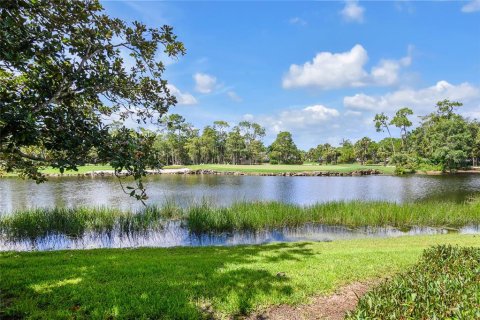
(352, 12)
(472, 6)
(310, 125)
(234, 96)
(473, 114)
(346, 69)
(301, 118)
(183, 98)
(248, 117)
(204, 83)
(297, 21)
(421, 100)
(387, 71)
(352, 113)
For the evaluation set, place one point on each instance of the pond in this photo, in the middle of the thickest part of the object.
(185, 190)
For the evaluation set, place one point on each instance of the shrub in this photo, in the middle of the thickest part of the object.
(399, 170)
(444, 284)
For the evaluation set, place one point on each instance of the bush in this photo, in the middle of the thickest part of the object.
(399, 170)
(273, 162)
(444, 284)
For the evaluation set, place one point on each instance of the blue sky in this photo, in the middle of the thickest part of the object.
(318, 69)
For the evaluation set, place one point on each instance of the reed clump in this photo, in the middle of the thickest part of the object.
(74, 222)
(261, 215)
(241, 216)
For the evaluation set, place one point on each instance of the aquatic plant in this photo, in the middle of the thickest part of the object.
(74, 222)
(262, 215)
(242, 216)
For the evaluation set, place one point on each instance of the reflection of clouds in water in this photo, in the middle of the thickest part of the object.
(223, 190)
(174, 235)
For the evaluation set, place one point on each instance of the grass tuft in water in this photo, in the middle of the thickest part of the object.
(262, 215)
(74, 222)
(241, 216)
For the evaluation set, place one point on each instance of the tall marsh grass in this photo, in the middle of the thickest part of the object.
(74, 222)
(261, 215)
(242, 216)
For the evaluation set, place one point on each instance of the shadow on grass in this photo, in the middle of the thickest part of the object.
(179, 283)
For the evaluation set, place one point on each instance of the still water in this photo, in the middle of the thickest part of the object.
(18, 194)
(173, 234)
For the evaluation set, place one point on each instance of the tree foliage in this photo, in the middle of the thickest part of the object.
(66, 71)
(444, 137)
(284, 150)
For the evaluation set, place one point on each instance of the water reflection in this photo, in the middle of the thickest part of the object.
(223, 190)
(174, 234)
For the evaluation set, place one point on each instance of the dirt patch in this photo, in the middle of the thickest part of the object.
(330, 307)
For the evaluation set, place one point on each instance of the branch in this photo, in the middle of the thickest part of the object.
(27, 156)
(64, 86)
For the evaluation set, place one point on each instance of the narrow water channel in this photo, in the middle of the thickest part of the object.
(173, 234)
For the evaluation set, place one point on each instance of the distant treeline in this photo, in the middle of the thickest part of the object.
(443, 140)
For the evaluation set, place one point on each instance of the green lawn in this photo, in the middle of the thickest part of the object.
(267, 168)
(81, 169)
(178, 283)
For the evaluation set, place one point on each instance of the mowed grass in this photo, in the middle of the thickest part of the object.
(191, 283)
(264, 168)
(81, 170)
(267, 168)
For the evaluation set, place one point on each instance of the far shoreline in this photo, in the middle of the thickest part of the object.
(256, 170)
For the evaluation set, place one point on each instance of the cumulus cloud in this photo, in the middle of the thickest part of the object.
(183, 98)
(248, 117)
(471, 6)
(234, 96)
(204, 83)
(310, 125)
(330, 70)
(349, 113)
(422, 100)
(387, 71)
(352, 12)
(301, 118)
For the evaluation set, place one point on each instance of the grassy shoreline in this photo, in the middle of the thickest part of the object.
(246, 169)
(191, 283)
(242, 216)
(267, 168)
(263, 169)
